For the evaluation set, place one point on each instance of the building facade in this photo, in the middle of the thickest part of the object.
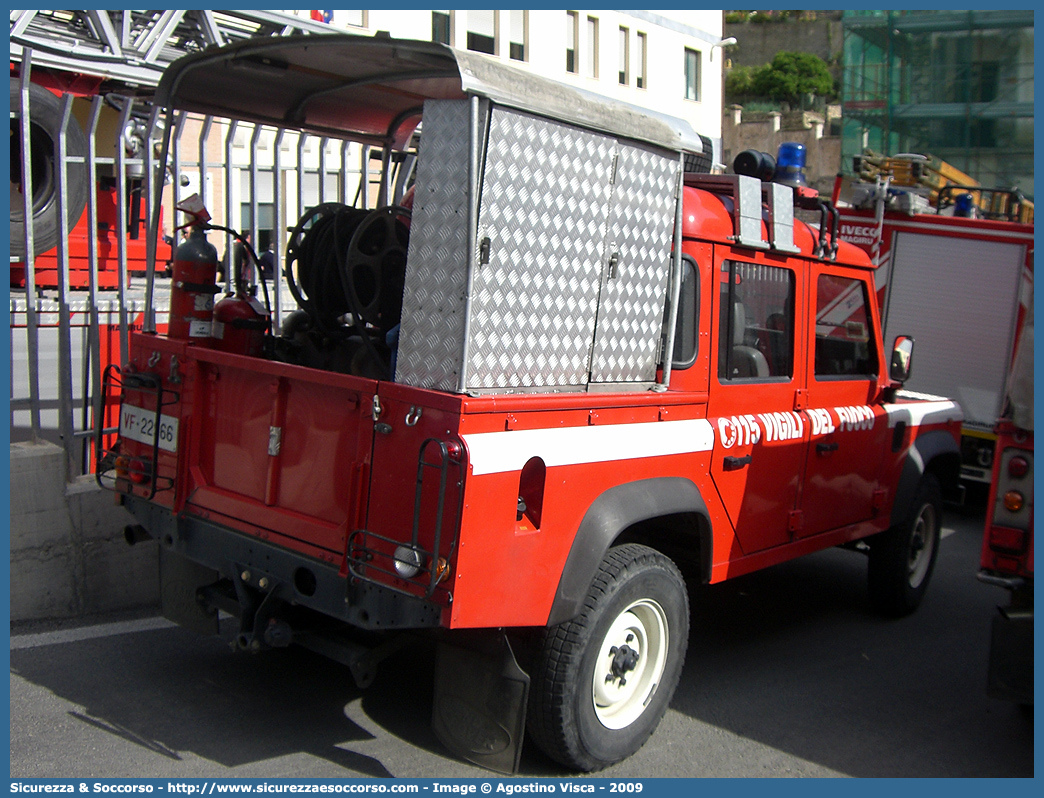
(668, 61)
(954, 84)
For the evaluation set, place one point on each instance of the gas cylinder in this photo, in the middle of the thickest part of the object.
(193, 285)
(240, 322)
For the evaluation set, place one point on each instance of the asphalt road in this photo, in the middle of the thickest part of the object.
(789, 673)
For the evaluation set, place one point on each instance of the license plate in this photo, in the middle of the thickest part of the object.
(139, 425)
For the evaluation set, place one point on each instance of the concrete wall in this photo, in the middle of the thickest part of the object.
(68, 554)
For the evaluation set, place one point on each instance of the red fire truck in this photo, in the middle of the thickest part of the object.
(120, 210)
(961, 287)
(1007, 545)
(960, 281)
(519, 415)
(93, 55)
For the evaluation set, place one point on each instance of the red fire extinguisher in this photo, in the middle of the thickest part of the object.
(192, 288)
(240, 322)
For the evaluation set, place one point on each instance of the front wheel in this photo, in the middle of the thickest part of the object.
(603, 680)
(903, 557)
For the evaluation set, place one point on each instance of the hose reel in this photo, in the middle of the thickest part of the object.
(346, 268)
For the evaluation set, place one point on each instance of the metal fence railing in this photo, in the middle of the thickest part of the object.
(48, 182)
(78, 285)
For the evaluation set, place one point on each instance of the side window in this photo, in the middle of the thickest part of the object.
(686, 330)
(844, 346)
(755, 322)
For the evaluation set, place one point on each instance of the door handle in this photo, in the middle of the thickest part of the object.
(736, 463)
(824, 448)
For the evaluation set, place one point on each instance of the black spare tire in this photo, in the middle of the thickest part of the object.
(45, 116)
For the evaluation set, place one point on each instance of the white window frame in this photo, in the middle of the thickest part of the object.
(624, 75)
(693, 76)
(496, 31)
(642, 78)
(573, 20)
(524, 33)
(591, 47)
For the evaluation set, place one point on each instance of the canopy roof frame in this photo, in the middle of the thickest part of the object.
(353, 86)
(368, 89)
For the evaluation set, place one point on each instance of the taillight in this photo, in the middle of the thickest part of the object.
(1005, 539)
(1018, 467)
(136, 469)
(1013, 506)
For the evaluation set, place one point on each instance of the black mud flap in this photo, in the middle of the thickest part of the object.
(480, 700)
(1011, 656)
(180, 578)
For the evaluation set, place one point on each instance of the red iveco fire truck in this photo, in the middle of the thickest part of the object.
(956, 272)
(1007, 545)
(960, 286)
(576, 372)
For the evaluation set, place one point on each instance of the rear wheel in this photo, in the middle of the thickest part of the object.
(902, 558)
(602, 681)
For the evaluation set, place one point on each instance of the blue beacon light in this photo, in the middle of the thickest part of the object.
(790, 164)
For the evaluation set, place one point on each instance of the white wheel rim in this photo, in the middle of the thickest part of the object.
(922, 545)
(630, 663)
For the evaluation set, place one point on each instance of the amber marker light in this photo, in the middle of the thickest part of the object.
(1014, 501)
(441, 569)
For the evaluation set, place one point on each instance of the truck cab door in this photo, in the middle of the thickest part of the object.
(758, 363)
(849, 432)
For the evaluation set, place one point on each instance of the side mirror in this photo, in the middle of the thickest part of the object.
(902, 355)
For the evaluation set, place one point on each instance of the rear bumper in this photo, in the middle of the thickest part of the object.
(264, 573)
(1011, 656)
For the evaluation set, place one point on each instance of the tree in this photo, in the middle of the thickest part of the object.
(790, 76)
(738, 82)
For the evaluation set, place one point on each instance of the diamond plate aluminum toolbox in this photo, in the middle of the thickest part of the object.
(564, 285)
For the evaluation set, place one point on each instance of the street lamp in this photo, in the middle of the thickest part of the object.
(729, 42)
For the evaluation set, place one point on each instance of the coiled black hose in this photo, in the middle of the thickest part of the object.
(315, 259)
(342, 260)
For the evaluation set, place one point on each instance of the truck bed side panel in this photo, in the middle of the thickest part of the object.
(508, 569)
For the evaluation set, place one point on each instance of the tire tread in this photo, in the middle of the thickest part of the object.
(891, 595)
(550, 724)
